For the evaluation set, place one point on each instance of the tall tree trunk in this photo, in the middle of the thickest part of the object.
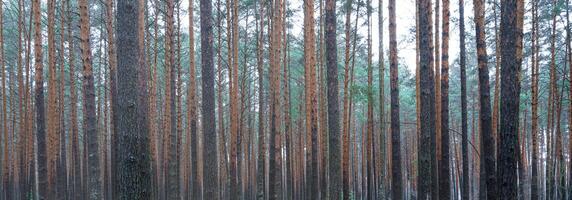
(427, 135)
(134, 173)
(465, 188)
(511, 37)
(5, 174)
(275, 122)
(208, 99)
(52, 120)
(369, 123)
(74, 132)
(394, 150)
(90, 128)
(62, 178)
(334, 140)
(170, 121)
(535, 188)
(261, 175)
(382, 131)
(552, 99)
(444, 164)
(113, 90)
(234, 102)
(488, 167)
(193, 142)
(436, 159)
(345, 112)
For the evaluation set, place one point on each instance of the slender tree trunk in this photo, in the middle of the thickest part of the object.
(261, 175)
(345, 112)
(193, 142)
(113, 90)
(369, 122)
(396, 174)
(535, 188)
(90, 127)
(382, 131)
(444, 165)
(436, 159)
(465, 188)
(74, 132)
(5, 173)
(488, 167)
(510, 91)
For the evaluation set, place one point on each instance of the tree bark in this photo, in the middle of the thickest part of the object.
(396, 177)
(444, 164)
(465, 188)
(208, 99)
(511, 37)
(334, 149)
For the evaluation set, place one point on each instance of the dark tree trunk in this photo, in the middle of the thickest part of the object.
(134, 158)
(510, 90)
(89, 116)
(465, 189)
(488, 141)
(334, 151)
(427, 101)
(208, 99)
(444, 166)
(397, 188)
(39, 98)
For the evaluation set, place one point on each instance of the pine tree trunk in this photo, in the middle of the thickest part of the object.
(535, 187)
(334, 148)
(465, 188)
(90, 127)
(444, 164)
(208, 99)
(193, 142)
(113, 90)
(275, 187)
(488, 167)
(261, 175)
(427, 102)
(345, 112)
(369, 123)
(75, 149)
(511, 37)
(5, 173)
(394, 150)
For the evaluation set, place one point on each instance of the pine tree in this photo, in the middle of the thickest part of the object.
(488, 166)
(90, 128)
(208, 99)
(465, 188)
(334, 140)
(444, 164)
(427, 102)
(395, 151)
(511, 36)
(310, 91)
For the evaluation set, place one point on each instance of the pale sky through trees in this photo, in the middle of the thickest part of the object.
(405, 10)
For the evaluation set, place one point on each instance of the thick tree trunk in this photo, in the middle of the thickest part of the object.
(134, 173)
(208, 99)
(427, 135)
(334, 148)
(511, 37)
